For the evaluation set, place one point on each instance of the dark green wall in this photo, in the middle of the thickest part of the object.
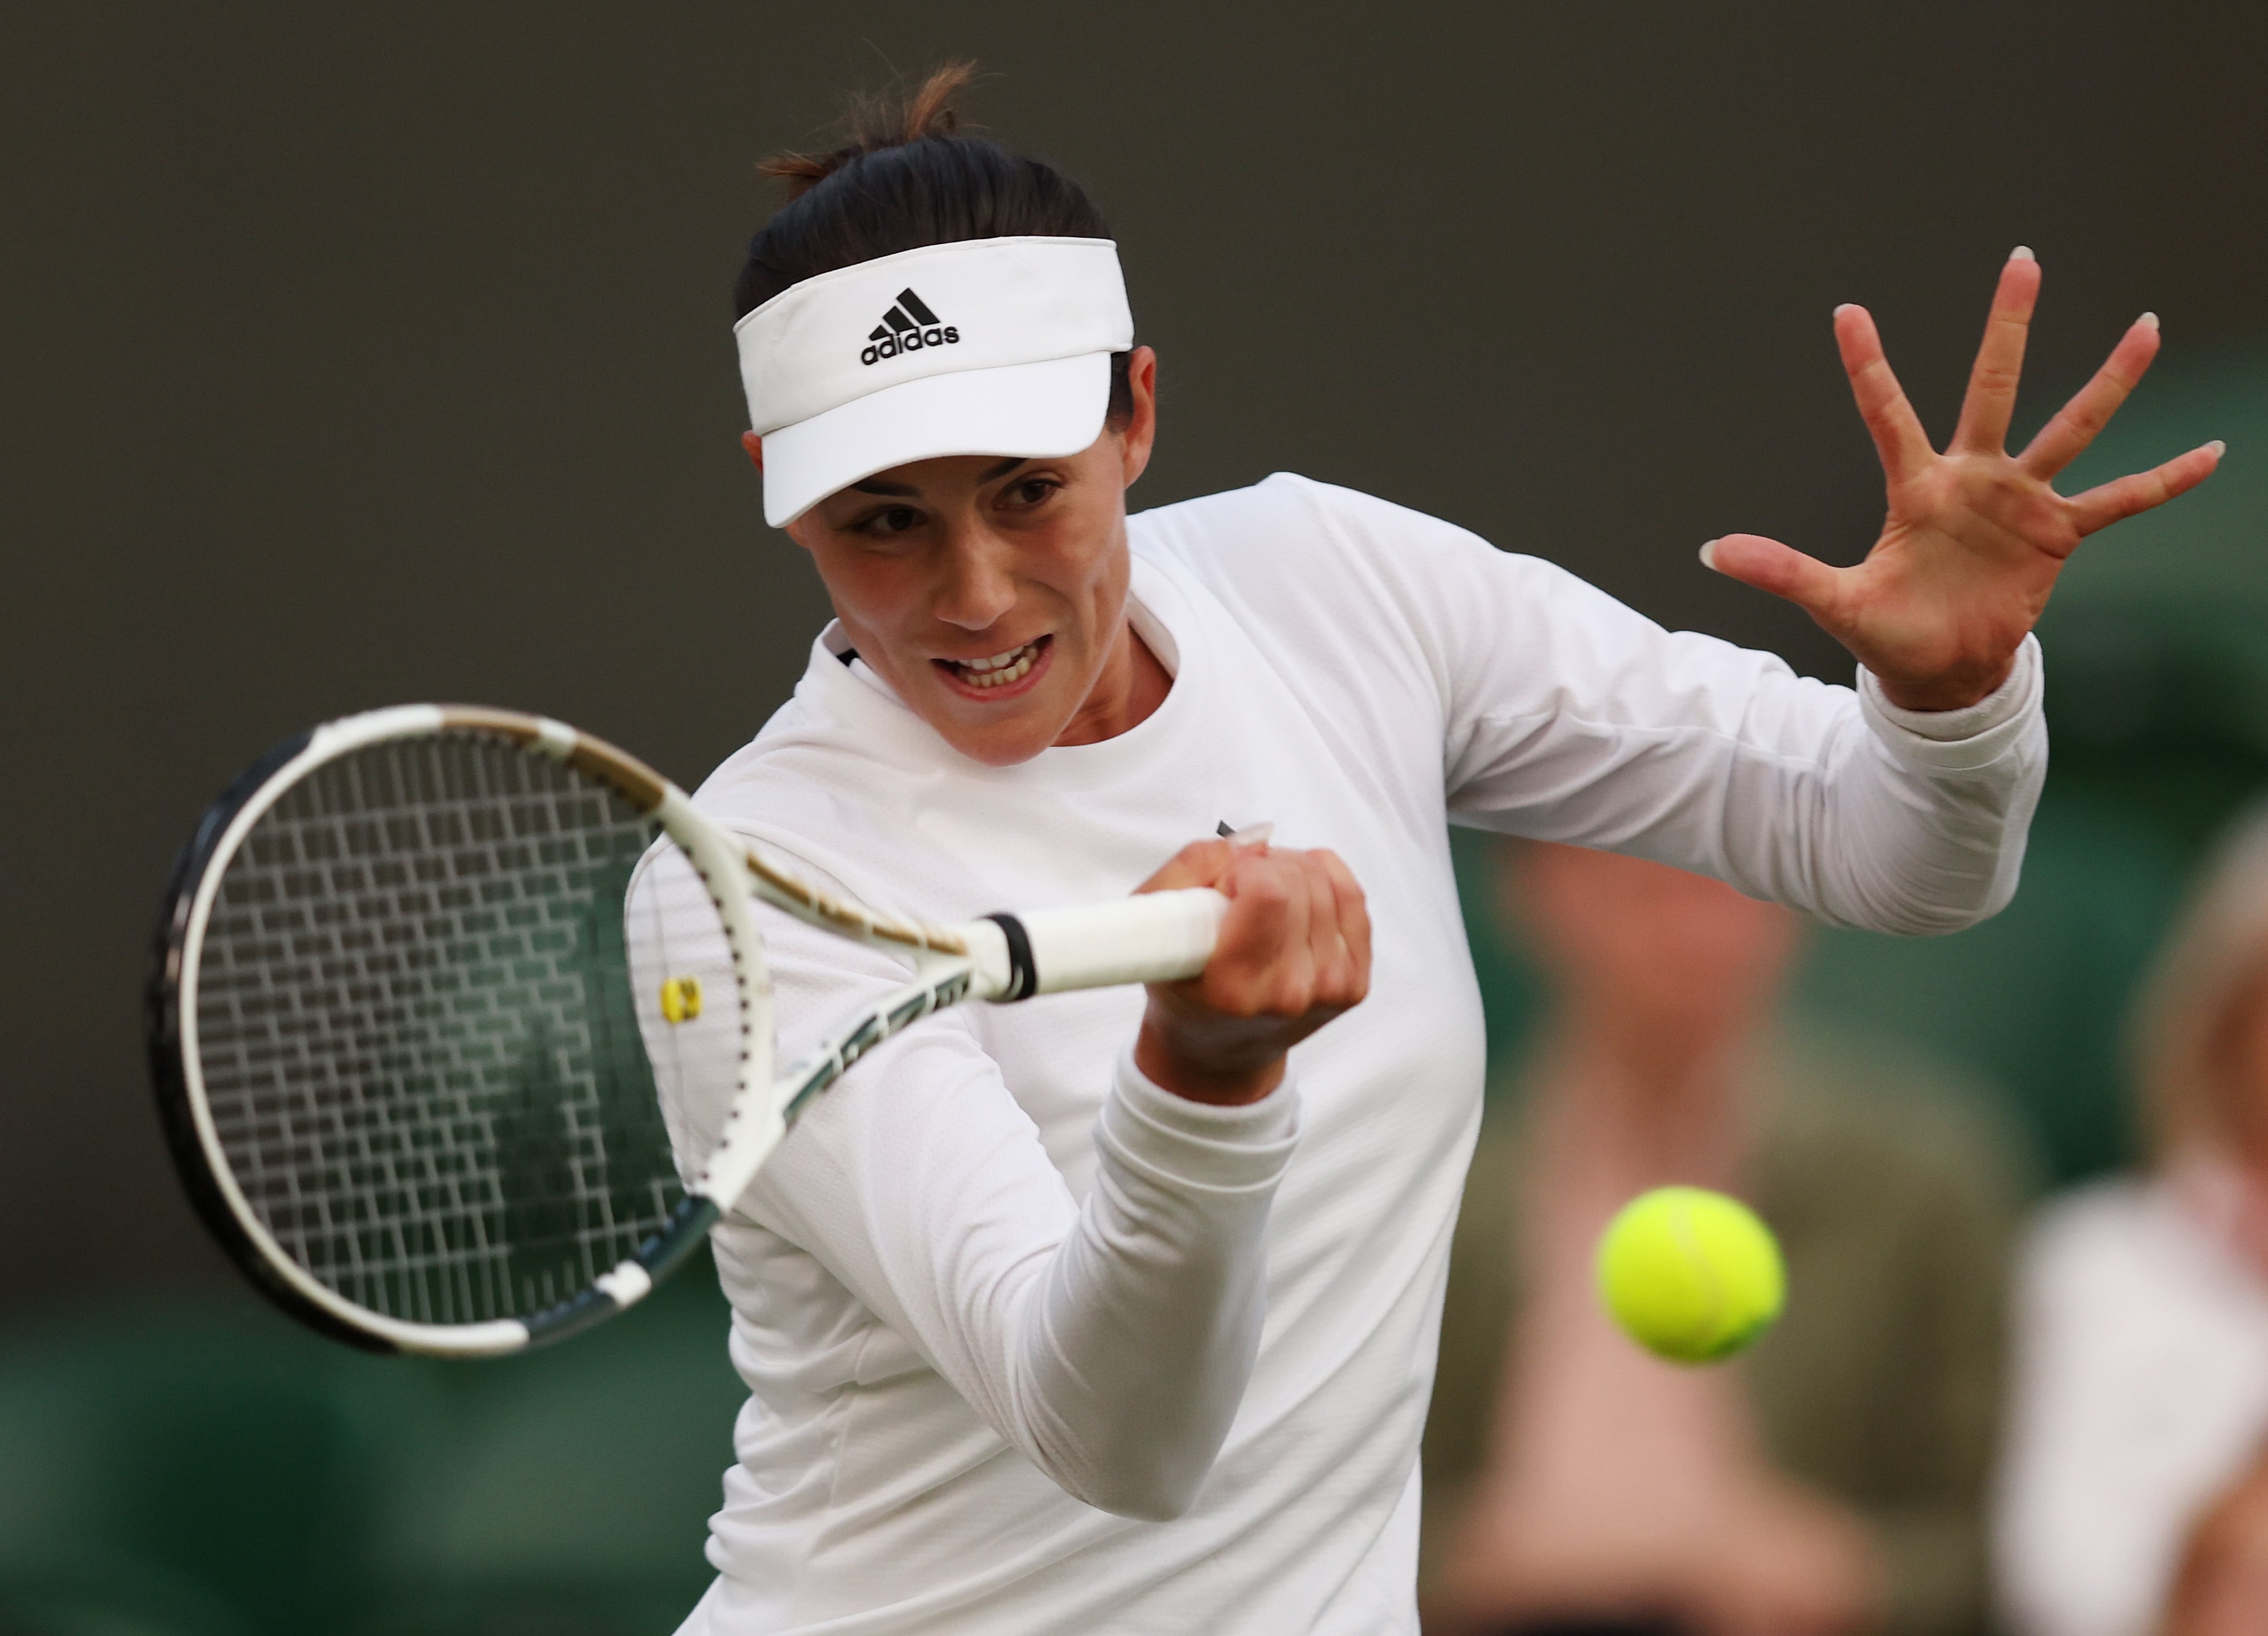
(356, 353)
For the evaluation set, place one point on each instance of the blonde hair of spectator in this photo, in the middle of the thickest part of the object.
(2213, 963)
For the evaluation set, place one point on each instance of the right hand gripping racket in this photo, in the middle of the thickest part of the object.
(397, 1021)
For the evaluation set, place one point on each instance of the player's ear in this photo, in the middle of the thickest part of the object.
(1136, 436)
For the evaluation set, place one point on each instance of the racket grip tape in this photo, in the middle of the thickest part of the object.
(1158, 937)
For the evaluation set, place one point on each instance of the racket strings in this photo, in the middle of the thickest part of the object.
(417, 1035)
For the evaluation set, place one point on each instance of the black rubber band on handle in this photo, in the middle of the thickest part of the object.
(1023, 975)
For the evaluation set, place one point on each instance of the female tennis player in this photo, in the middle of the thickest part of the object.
(1116, 1311)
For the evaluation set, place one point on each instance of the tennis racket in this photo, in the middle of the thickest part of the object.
(402, 1033)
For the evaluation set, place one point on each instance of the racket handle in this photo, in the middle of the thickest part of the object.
(1158, 937)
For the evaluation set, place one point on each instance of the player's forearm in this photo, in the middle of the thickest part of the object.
(1109, 1339)
(1852, 811)
(1695, 753)
(1135, 1353)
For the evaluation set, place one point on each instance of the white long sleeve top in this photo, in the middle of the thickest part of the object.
(1034, 1346)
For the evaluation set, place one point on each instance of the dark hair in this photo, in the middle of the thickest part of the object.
(908, 177)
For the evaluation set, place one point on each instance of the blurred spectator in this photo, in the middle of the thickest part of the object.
(2134, 1499)
(1833, 1482)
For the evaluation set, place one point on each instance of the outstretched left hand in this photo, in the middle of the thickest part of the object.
(1974, 536)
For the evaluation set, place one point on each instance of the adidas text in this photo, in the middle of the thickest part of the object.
(908, 327)
(911, 341)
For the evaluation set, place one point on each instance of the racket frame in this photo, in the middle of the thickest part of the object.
(1152, 938)
(719, 857)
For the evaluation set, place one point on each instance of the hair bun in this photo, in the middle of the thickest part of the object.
(888, 119)
(906, 176)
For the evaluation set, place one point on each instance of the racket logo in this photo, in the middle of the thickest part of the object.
(681, 999)
(908, 327)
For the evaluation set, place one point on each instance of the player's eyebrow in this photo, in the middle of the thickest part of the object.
(905, 491)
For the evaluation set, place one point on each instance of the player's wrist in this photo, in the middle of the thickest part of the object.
(1939, 682)
(1958, 690)
(1221, 1077)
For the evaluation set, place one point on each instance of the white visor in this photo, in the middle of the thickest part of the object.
(985, 346)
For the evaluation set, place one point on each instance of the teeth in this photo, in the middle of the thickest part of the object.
(999, 670)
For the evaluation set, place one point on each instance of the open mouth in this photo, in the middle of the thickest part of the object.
(1001, 672)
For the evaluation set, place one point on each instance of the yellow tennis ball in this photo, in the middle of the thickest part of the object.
(1691, 1275)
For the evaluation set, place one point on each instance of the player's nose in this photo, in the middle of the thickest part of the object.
(978, 583)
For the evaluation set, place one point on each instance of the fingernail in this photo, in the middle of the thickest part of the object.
(1252, 834)
(1708, 555)
(2022, 252)
(2150, 319)
(2219, 447)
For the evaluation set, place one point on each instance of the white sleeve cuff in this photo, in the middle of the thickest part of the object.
(1963, 739)
(1198, 1144)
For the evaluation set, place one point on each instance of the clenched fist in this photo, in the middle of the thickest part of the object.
(1294, 953)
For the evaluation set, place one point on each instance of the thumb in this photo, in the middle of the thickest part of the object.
(1782, 569)
(1200, 863)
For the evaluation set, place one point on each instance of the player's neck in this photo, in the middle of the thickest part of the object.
(1132, 685)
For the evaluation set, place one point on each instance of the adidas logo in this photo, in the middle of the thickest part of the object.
(908, 327)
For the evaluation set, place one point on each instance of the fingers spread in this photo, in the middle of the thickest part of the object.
(1899, 439)
(2076, 423)
(1991, 400)
(2112, 502)
(1785, 572)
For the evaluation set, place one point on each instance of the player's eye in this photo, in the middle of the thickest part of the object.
(1029, 493)
(893, 519)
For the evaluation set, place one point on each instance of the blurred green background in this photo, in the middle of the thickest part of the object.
(360, 353)
(200, 1468)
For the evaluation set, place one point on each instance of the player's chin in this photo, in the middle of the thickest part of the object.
(1003, 732)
